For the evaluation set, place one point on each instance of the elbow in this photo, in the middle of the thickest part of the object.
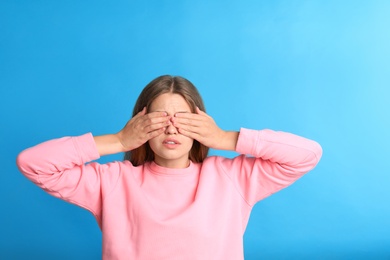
(310, 161)
(317, 150)
(23, 162)
(313, 157)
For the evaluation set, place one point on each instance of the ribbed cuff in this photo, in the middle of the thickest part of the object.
(86, 147)
(248, 141)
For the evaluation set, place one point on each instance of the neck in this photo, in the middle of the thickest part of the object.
(174, 164)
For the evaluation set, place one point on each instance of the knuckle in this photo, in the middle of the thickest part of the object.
(144, 129)
(149, 121)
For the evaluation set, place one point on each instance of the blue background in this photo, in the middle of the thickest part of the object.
(320, 69)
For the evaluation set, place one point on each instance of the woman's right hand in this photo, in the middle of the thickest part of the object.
(141, 128)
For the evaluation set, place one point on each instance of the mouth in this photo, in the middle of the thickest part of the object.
(171, 142)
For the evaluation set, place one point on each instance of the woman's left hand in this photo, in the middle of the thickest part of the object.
(202, 127)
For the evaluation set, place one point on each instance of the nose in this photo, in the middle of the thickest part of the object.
(171, 130)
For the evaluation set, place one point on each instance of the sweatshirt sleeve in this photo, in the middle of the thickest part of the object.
(59, 167)
(276, 160)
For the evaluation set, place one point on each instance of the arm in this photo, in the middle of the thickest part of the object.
(141, 128)
(285, 147)
(279, 159)
(59, 166)
(203, 128)
(108, 144)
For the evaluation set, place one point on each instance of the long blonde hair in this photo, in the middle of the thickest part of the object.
(161, 85)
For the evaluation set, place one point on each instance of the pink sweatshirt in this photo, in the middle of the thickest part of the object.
(151, 212)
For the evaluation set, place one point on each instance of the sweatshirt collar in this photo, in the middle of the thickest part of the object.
(160, 170)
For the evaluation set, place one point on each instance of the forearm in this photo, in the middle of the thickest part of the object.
(108, 144)
(228, 141)
(57, 155)
(280, 147)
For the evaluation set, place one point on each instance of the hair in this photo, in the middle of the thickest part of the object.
(158, 86)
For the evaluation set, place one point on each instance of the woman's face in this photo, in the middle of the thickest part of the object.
(171, 149)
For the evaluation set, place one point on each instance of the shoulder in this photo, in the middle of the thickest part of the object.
(122, 169)
(213, 160)
(122, 173)
(225, 163)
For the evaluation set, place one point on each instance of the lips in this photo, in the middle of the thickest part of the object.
(171, 141)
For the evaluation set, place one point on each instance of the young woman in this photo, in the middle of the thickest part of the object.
(167, 199)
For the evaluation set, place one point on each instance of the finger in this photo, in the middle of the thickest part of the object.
(158, 113)
(187, 124)
(190, 130)
(190, 134)
(155, 133)
(143, 111)
(200, 112)
(154, 118)
(193, 116)
(140, 113)
(156, 126)
(189, 119)
(199, 115)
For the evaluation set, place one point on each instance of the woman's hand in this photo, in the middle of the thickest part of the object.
(201, 127)
(141, 128)
(137, 131)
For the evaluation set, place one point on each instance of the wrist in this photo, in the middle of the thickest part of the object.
(229, 140)
(120, 142)
(108, 144)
